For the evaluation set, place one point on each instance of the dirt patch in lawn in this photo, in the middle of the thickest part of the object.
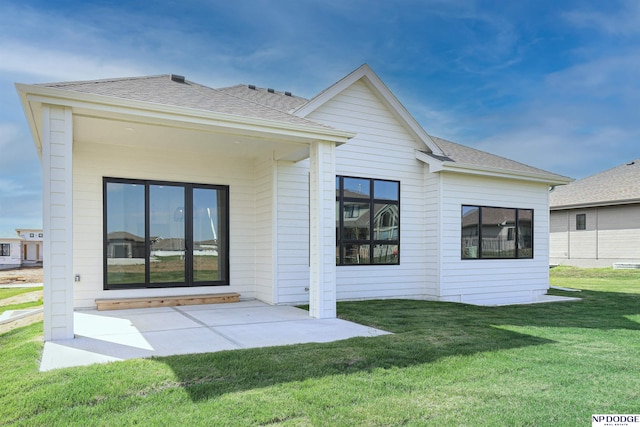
(22, 298)
(6, 327)
(21, 276)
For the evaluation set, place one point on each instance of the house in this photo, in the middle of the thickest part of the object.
(595, 221)
(275, 197)
(32, 240)
(10, 252)
(24, 249)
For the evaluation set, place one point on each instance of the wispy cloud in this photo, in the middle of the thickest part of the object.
(615, 17)
(52, 65)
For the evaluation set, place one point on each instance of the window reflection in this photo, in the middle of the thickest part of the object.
(496, 223)
(367, 221)
(166, 231)
(125, 233)
(470, 231)
(208, 208)
(165, 234)
(490, 232)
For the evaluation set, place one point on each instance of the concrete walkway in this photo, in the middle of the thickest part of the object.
(106, 336)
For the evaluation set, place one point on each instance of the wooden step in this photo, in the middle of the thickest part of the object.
(166, 301)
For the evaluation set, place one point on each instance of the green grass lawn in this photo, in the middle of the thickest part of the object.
(446, 365)
(11, 292)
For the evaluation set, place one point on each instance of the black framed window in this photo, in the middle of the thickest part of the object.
(496, 233)
(581, 221)
(5, 249)
(165, 234)
(367, 221)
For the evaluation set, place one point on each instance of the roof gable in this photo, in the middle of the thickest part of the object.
(366, 75)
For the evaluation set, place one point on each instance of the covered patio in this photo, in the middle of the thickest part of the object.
(114, 335)
(164, 131)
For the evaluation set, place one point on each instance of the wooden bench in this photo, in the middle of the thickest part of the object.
(166, 301)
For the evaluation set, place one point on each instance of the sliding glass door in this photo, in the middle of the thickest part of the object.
(167, 234)
(164, 234)
(209, 261)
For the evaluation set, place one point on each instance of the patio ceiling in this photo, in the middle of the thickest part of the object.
(174, 136)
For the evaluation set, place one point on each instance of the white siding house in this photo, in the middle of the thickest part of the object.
(10, 252)
(23, 249)
(595, 221)
(159, 186)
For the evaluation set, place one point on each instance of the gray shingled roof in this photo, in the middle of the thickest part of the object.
(283, 101)
(618, 185)
(462, 154)
(245, 101)
(163, 90)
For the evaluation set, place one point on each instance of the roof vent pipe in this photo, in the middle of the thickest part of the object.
(177, 78)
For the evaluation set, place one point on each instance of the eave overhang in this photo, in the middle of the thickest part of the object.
(445, 164)
(599, 204)
(33, 97)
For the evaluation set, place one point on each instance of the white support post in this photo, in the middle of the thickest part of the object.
(57, 203)
(322, 280)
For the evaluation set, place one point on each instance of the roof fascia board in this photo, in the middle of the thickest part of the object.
(371, 79)
(31, 117)
(436, 165)
(595, 204)
(37, 94)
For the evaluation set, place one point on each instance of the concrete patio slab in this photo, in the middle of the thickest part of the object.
(107, 336)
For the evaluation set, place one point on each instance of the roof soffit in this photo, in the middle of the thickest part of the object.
(365, 74)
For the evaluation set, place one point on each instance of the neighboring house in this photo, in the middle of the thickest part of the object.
(10, 252)
(279, 198)
(22, 250)
(595, 221)
(32, 240)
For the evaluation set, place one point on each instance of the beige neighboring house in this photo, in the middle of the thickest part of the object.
(595, 221)
(21, 250)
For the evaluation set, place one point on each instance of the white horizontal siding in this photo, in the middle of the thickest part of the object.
(293, 232)
(265, 222)
(383, 149)
(94, 161)
(492, 281)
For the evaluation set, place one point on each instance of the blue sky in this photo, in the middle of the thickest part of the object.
(550, 83)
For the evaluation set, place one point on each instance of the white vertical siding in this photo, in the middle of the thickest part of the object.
(57, 189)
(383, 149)
(92, 162)
(492, 281)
